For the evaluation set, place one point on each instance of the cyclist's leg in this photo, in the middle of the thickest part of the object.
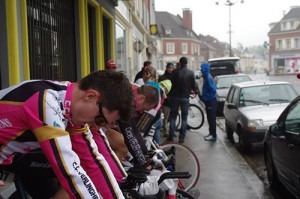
(184, 106)
(173, 114)
(34, 175)
(158, 125)
(166, 112)
(186, 160)
(40, 186)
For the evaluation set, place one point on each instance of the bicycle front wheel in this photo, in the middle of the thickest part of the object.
(186, 160)
(195, 118)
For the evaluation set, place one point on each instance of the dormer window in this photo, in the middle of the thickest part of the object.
(283, 26)
(168, 31)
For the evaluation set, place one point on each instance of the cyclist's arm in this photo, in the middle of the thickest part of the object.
(95, 163)
(43, 114)
(134, 142)
(117, 143)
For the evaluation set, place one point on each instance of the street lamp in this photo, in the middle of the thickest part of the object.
(229, 3)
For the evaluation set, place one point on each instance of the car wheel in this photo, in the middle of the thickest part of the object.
(271, 171)
(244, 146)
(229, 132)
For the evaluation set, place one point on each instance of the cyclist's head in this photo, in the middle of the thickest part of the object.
(147, 98)
(110, 64)
(113, 90)
(149, 74)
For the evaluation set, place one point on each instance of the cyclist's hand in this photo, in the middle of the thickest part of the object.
(1, 183)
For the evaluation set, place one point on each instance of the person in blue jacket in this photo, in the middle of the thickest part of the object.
(209, 98)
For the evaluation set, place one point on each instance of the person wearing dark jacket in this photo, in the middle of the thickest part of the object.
(166, 105)
(209, 98)
(139, 76)
(183, 82)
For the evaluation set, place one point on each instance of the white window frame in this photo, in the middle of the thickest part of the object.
(170, 48)
(279, 44)
(297, 43)
(288, 44)
(184, 48)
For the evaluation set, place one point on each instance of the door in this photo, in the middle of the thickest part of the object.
(292, 128)
(229, 113)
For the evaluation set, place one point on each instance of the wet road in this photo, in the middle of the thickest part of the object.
(255, 158)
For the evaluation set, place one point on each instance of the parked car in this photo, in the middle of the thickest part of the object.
(224, 65)
(282, 150)
(251, 107)
(223, 83)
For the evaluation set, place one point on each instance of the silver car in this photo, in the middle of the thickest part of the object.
(223, 83)
(251, 107)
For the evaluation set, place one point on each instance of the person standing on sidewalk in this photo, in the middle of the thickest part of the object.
(209, 98)
(183, 82)
(139, 76)
(166, 105)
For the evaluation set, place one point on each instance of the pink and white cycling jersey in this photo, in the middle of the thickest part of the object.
(34, 114)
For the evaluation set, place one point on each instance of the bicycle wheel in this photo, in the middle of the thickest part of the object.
(195, 118)
(186, 160)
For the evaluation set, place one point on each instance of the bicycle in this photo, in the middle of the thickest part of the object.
(169, 153)
(136, 176)
(195, 118)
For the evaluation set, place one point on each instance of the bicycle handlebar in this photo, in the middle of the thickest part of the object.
(173, 175)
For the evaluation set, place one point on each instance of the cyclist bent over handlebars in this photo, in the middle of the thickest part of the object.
(54, 117)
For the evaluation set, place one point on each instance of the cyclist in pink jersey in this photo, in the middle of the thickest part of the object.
(146, 98)
(55, 117)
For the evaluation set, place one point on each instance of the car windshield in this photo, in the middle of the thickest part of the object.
(225, 82)
(267, 94)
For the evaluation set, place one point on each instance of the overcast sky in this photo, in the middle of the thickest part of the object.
(249, 21)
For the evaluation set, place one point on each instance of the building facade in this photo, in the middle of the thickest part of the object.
(284, 43)
(176, 38)
(68, 39)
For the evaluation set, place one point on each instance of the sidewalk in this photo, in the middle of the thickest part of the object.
(224, 174)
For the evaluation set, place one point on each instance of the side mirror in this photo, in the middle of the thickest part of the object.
(275, 130)
(231, 106)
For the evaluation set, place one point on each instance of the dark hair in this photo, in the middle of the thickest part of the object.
(183, 61)
(147, 63)
(150, 93)
(115, 90)
(169, 65)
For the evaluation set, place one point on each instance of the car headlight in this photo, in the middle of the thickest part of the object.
(252, 124)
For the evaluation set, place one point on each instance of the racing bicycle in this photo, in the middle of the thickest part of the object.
(184, 159)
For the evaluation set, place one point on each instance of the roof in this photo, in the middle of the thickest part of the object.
(293, 14)
(166, 20)
(259, 83)
(232, 75)
(223, 58)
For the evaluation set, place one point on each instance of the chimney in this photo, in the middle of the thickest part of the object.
(187, 18)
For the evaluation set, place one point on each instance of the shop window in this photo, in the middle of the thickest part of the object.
(51, 38)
